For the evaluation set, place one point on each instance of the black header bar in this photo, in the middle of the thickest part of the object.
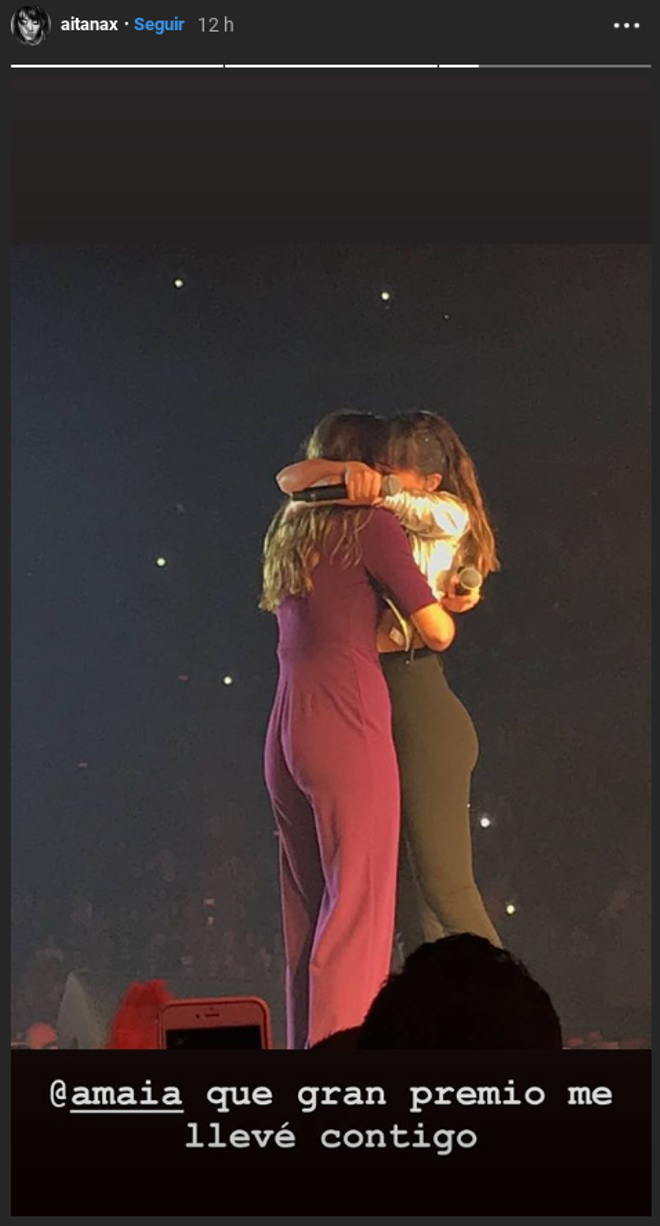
(243, 36)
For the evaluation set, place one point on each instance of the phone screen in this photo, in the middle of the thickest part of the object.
(214, 1038)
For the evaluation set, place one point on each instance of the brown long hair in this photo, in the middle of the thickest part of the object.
(428, 444)
(295, 542)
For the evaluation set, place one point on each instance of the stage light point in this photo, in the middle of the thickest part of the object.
(161, 562)
(510, 909)
(385, 295)
(484, 821)
(227, 680)
(178, 283)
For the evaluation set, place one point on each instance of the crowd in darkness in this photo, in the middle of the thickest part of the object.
(198, 928)
(210, 924)
(161, 893)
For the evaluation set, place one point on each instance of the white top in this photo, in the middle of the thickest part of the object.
(436, 524)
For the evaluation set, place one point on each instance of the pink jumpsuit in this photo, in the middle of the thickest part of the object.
(332, 776)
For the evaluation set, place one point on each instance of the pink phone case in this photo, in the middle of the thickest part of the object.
(215, 1012)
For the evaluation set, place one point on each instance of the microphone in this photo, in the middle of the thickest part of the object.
(336, 493)
(469, 580)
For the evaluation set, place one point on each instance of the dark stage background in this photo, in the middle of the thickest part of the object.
(148, 423)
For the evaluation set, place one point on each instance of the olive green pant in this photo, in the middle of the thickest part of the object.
(437, 749)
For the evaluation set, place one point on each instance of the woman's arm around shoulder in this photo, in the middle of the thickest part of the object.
(363, 484)
(433, 516)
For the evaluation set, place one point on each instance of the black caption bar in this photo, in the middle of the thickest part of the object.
(371, 1132)
(241, 37)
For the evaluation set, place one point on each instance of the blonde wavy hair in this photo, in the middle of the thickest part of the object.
(298, 538)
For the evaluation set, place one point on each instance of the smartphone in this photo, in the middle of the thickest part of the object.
(221, 1023)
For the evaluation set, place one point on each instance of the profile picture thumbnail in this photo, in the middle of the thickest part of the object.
(30, 25)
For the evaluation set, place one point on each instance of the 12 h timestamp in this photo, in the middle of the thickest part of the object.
(216, 25)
